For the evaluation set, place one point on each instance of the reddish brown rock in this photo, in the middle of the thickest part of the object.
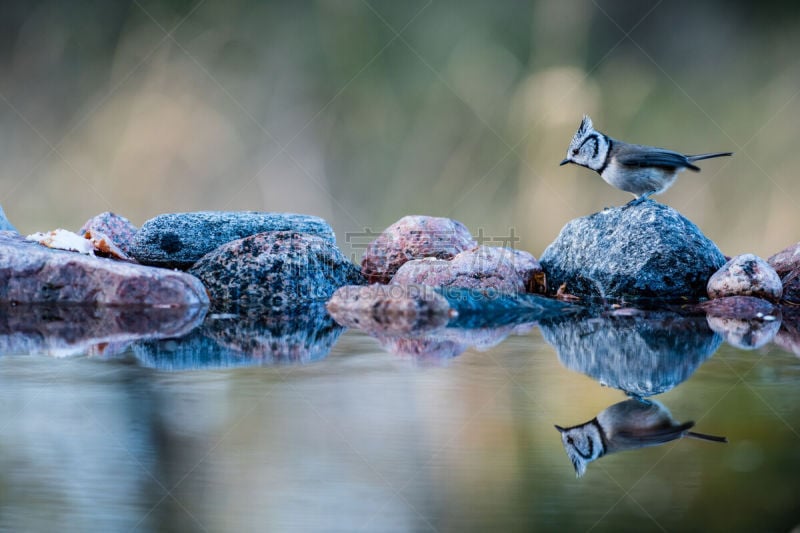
(482, 268)
(787, 264)
(110, 233)
(390, 309)
(414, 237)
(745, 275)
(30, 273)
(743, 321)
(275, 269)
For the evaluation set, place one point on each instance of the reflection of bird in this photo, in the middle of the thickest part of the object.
(624, 426)
(640, 170)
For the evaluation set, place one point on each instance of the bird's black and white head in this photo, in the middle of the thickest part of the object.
(588, 148)
(583, 444)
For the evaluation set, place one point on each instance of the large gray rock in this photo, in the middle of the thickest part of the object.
(645, 250)
(640, 352)
(32, 273)
(178, 240)
(276, 269)
(5, 225)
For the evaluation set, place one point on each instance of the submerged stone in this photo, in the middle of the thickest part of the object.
(248, 337)
(30, 273)
(414, 237)
(65, 330)
(178, 240)
(642, 353)
(276, 269)
(390, 309)
(745, 275)
(638, 251)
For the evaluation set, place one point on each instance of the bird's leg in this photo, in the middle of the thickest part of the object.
(639, 200)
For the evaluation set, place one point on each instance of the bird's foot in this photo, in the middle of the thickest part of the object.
(639, 200)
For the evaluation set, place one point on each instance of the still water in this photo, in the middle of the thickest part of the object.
(346, 432)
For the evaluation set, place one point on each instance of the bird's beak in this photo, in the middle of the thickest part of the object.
(564, 162)
(560, 429)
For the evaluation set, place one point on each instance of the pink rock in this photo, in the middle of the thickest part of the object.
(30, 273)
(390, 309)
(483, 268)
(110, 233)
(787, 264)
(414, 237)
(745, 275)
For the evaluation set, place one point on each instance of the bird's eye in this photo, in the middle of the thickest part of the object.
(575, 151)
(570, 441)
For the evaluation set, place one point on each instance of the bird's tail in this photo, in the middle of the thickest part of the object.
(700, 157)
(703, 436)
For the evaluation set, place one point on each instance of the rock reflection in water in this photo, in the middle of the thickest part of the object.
(62, 330)
(642, 353)
(248, 337)
(624, 426)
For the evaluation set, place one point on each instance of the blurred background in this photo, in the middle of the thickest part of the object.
(364, 111)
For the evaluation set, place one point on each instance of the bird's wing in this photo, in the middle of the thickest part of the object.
(646, 156)
(652, 436)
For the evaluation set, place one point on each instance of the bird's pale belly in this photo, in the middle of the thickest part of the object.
(639, 180)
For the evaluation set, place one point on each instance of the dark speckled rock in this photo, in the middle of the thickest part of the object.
(787, 264)
(646, 250)
(275, 269)
(179, 240)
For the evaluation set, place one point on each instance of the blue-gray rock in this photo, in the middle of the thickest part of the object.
(275, 269)
(254, 337)
(640, 352)
(32, 273)
(5, 225)
(640, 251)
(178, 240)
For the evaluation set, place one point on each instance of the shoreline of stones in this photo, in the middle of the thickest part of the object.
(279, 260)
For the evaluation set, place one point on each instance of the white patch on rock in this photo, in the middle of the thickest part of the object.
(62, 239)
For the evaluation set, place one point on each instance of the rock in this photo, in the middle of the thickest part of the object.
(178, 240)
(744, 322)
(65, 330)
(482, 268)
(276, 269)
(5, 225)
(485, 267)
(256, 337)
(414, 237)
(31, 273)
(746, 275)
(788, 337)
(390, 309)
(645, 250)
(740, 307)
(110, 233)
(787, 264)
(646, 353)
